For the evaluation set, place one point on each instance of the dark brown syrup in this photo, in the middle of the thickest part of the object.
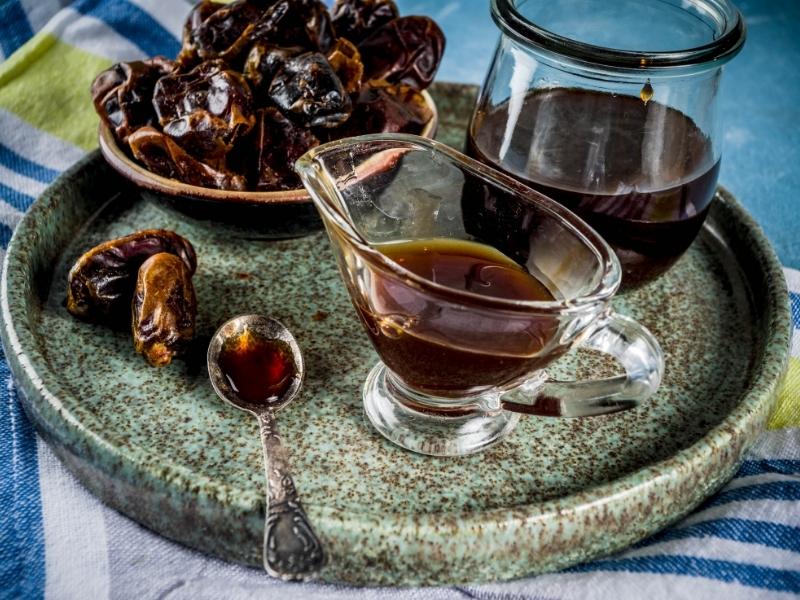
(448, 343)
(467, 266)
(259, 370)
(639, 172)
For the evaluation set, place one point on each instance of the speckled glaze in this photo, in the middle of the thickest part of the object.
(159, 446)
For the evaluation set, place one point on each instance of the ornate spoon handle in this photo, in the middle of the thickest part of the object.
(292, 550)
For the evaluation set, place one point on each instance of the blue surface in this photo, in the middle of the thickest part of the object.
(760, 101)
(692, 566)
(14, 26)
(132, 22)
(22, 566)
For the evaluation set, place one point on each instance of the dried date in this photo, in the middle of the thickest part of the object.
(407, 50)
(278, 144)
(188, 57)
(317, 25)
(305, 23)
(264, 61)
(387, 108)
(164, 157)
(164, 309)
(225, 32)
(122, 94)
(101, 282)
(205, 110)
(307, 88)
(356, 19)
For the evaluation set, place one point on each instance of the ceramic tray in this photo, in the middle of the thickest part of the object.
(160, 447)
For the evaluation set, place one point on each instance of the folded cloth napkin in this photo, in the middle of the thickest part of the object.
(58, 541)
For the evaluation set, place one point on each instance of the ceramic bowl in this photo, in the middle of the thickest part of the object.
(277, 214)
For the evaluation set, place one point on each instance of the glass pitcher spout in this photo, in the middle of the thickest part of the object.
(381, 188)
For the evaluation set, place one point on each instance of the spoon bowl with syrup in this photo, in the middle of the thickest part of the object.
(255, 364)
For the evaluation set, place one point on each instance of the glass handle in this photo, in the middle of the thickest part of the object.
(624, 339)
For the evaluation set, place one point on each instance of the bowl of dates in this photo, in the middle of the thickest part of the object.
(257, 83)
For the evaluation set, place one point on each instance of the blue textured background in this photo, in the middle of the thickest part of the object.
(760, 103)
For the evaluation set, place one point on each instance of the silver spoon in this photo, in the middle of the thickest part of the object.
(292, 550)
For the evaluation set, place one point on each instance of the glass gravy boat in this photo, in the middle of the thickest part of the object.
(457, 367)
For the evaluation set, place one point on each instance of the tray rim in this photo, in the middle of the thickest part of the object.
(723, 445)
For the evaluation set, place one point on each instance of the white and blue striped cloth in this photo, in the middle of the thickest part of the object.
(57, 541)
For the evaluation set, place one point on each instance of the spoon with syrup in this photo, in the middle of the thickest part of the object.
(255, 364)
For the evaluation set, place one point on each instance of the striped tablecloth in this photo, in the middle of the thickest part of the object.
(58, 541)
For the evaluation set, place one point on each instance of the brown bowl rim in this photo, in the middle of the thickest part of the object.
(141, 177)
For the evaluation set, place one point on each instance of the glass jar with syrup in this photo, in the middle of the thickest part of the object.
(611, 109)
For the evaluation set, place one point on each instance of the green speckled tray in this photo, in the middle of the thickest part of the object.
(160, 447)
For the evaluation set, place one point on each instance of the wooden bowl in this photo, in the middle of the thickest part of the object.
(283, 213)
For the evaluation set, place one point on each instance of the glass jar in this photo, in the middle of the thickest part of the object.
(611, 109)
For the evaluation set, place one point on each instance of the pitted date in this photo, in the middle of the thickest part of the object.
(122, 94)
(206, 110)
(223, 32)
(278, 144)
(317, 24)
(163, 156)
(356, 19)
(307, 88)
(407, 50)
(164, 309)
(100, 284)
(306, 23)
(188, 57)
(263, 62)
(387, 108)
